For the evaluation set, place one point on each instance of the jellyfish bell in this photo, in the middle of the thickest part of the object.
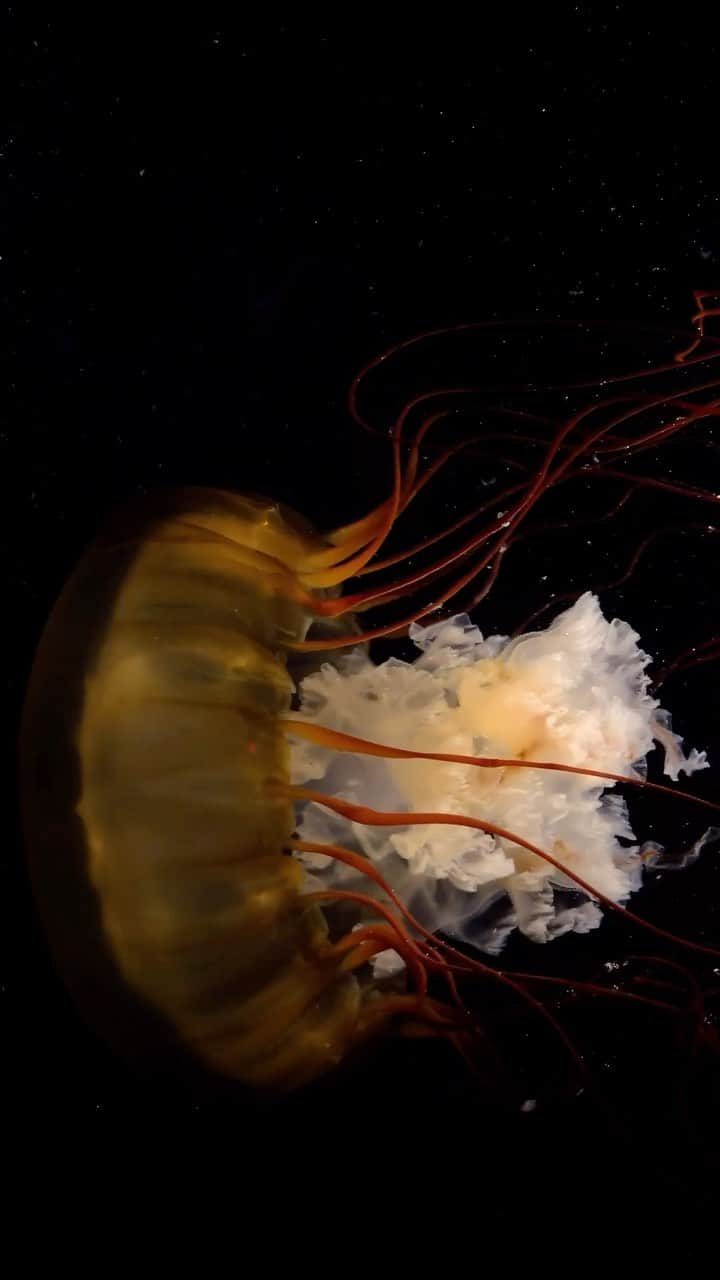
(258, 877)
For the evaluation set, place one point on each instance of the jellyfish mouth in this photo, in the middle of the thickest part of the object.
(576, 693)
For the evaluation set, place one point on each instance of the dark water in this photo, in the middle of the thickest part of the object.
(211, 227)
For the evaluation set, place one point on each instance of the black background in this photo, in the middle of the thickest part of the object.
(211, 223)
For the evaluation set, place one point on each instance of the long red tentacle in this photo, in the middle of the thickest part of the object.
(382, 818)
(349, 742)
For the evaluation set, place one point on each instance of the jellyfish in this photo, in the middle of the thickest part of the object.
(254, 844)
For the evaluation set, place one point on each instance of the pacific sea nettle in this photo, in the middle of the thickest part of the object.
(252, 840)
